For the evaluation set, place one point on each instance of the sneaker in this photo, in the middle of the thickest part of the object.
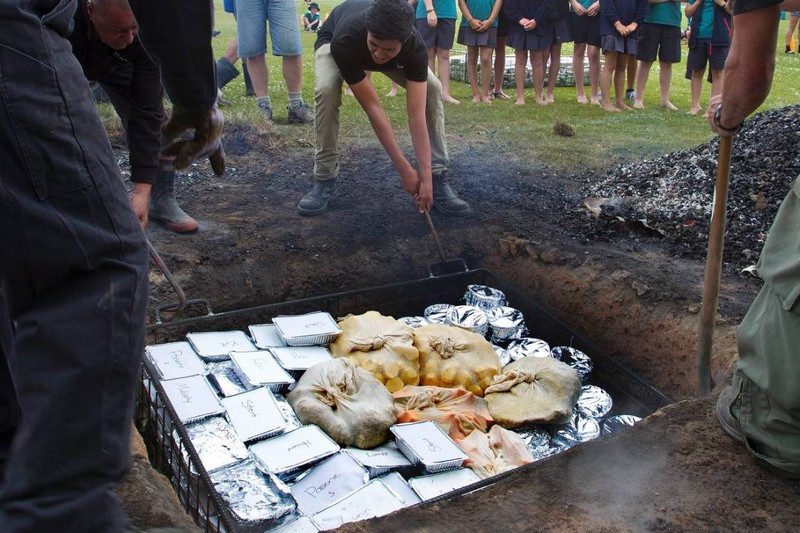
(630, 94)
(726, 419)
(301, 114)
(266, 110)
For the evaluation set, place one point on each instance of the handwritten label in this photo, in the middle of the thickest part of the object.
(319, 489)
(305, 443)
(250, 407)
(186, 392)
(176, 356)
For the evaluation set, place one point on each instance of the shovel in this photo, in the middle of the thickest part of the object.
(445, 266)
(716, 239)
(182, 301)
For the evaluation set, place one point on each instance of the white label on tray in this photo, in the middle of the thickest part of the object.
(301, 357)
(311, 324)
(260, 368)
(254, 414)
(218, 344)
(328, 482)
(371, 500)
(175, 360)
(429, 487)
(266, 335)
(192, 398)
(294, 449)
(428, 443)
(385, 456)
(400, 487)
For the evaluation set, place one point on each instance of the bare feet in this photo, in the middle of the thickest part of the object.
(520, 101)
(549, 99)
(541, 101)
(594, 101)
(669, 105)
(638, 104)
(623, 106)
(486, 99)
(450, 100)
(392, 93)
(501, 96)
(605, 104)
(695, 111)
(348, 91)
(582, 99)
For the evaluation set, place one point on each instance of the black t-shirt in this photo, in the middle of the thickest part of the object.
(743, 6)
(345, 30)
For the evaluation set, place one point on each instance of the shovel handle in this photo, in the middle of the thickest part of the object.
(435, 235)
(162, 266)
(713, 272)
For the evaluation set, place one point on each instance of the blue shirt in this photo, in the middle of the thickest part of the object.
(445, 9)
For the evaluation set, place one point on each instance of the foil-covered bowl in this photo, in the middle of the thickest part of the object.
(502, 354)
(437, 313)
(537, 440)
(593, 402)
(579, 429)
(506, 323)
(468, 317)
(413, 321)
(575, 358)
(528, 347)
(484, 297)
(615, 423)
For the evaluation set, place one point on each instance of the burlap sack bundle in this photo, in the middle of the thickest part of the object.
(533, 390)
(381, 345)
(495, 452)
(346, 402)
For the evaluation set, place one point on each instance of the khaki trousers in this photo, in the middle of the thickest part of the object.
(328, 99)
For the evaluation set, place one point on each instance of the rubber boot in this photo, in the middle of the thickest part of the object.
(248, 83)
(445, 199)
(164, 207)
(226, 72)
(316, 201)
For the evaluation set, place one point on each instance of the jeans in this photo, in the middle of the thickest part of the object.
(73, 287)
(284, 27)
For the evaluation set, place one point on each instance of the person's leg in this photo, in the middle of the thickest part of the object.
(619, 80)
(327, 101)
(432, 58)
(73, 280)
(500, 68)
(593, 56)
(485, 53)
(472, 73)
(696, 85)
(443, 59)
(789, 31)
(538, 58)
(609, 73)
(284, 32)
(555, 67)
(578, 54)
(642, 74)
(520, 60)
(717, 81)
(251, 26)
(665, 81)
(630, 79)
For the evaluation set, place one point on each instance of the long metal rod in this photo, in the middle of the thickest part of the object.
(716, 240)
(162, 266)
(435, 235)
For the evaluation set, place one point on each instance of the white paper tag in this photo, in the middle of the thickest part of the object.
(254, 414)
(428, 443)
(175, 360)
(293, 449)
(307, 325)
(301, 357)
(386, 456)
(259, 368)
(192, 398)
(218, 344)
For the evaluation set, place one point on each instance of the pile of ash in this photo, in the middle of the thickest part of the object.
(671, 197)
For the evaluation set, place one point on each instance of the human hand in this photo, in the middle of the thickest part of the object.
(433, 20)
(631, 27)
(578, 8)
(207, 124)
(594, 9)
(424, 197)
(140, 201)
(721, 129)
(621, 29)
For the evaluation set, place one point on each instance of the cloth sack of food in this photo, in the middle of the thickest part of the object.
(346, 402)
(453, 357)
(457, 411)
(533, 390)
(381, 345)
(495, 452)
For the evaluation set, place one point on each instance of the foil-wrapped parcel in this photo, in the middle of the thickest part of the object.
(192, 398)
(216, 345)
(533, 390)
(495, 452)
(286, 454)
(175, 360)
(457, 411)
(222, 376)
(487, 298)
(381, 345)
(453, 357)
(381, 459)
(266, 336)
(468, 317)
(426, 445)
(615, 423)
(576, 359)
(255, 414)
(216, 442)
(437, 313)
(260, 369)
(346, 402)
(312, 329)
(435, 485)
(594, 402)
(256, 501)
(372, 500)
(528, 347)
(328, 482)
(413, 321)
(506, 324)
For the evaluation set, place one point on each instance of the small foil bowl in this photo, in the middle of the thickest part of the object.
(616, 423)
(576, 359)
(484, 297)
(437, 313)
(469, 317)
(528, 347)
(593, 402)
(537, 440)
(413, 321)
(506, 323)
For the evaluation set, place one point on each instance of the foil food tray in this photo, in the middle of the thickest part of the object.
(177, 458)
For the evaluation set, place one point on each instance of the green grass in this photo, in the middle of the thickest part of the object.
(602, 139)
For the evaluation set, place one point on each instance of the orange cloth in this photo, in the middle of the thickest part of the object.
(457, 411)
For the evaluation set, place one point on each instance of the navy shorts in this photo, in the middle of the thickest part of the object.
(502, 24)
(702, 54)
(440, 36)
(561, 31)
(659, 40)
(585, 29)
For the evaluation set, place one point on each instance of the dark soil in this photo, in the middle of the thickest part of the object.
(634, 288)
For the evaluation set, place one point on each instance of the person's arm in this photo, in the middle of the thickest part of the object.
(368, 99)
(748, 69)
(465, 12)
(433, 20)
(691, 8)
(577, 8)
(416, 96)
(498, 5)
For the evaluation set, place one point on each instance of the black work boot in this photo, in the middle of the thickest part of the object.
(316, 201)
(226, 72)
(445, 199)
(164, 207)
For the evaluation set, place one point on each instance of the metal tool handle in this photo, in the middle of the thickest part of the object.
(435, 235)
